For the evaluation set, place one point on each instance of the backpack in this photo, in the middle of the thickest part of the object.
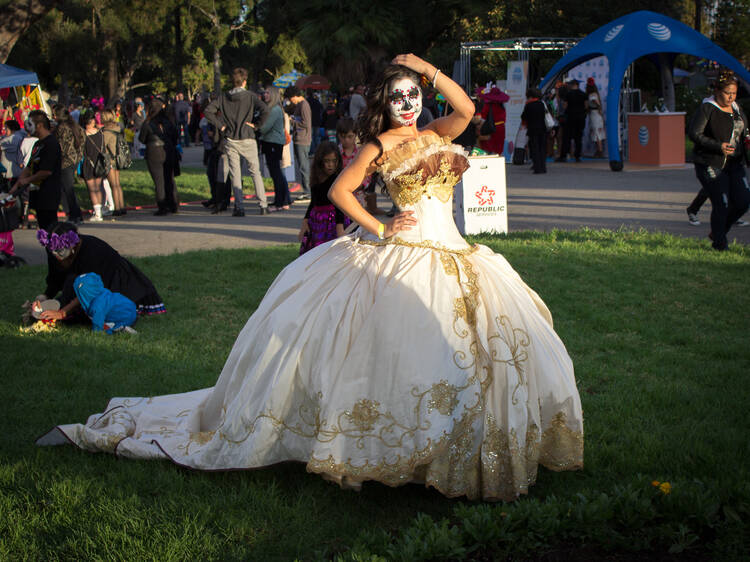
(102, 163)
(123, 158)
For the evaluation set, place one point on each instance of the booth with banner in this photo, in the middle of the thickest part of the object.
(517, 73)
(20, 93)
(624, 40)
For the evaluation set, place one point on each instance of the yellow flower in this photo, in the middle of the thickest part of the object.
(655, 483)
(665, 487)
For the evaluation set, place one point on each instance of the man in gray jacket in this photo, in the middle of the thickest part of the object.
(301, 116)
(232, 114)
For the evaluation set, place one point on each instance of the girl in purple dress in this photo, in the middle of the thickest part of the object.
(323, 221)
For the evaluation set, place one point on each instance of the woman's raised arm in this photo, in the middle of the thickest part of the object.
(463, 108)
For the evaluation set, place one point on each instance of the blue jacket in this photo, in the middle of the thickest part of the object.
(102, 305)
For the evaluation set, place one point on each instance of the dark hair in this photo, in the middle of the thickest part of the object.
(592, 89)
(344, 125)
(85, 117)
(317, 174)
(155, 109)
(61, 228)
(724, 79)
(239, 75)
(533, 93)
(12, 125)
(40, 117)
(292, 92)
(376, 118)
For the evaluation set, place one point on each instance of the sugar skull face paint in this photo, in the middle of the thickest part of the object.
(405, 100)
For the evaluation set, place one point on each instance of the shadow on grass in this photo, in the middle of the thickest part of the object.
(655, 324)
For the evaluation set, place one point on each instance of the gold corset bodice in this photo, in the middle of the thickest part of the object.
(428, 166)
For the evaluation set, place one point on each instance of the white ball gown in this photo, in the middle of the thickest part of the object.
(415, 359)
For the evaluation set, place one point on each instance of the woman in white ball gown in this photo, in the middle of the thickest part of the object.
(398, 353)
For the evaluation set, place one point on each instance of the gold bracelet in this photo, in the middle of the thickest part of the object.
(381, 231)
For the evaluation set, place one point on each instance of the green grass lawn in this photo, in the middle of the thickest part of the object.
(657, 327)
(138, 188)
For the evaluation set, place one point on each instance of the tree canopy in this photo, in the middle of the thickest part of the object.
(112, 48)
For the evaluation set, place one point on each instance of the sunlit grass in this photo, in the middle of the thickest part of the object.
(656, 326)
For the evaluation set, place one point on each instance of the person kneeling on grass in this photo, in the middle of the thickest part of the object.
(109, 312)
(70, 254)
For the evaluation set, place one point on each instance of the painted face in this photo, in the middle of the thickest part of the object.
(405, 100)
(62, 253)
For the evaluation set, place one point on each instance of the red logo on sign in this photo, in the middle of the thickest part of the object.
(485, 195)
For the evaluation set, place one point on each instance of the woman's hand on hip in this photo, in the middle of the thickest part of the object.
(401, 221)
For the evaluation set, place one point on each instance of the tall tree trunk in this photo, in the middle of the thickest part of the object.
(16, 17)
(111, 72)
(698, 22)
(178, 51)
(134, 61)
(62, 93)
(217, 70)
(667, 80)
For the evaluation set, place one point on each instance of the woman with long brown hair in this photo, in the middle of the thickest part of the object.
(93, 151)
(399, 353)
(111, 129)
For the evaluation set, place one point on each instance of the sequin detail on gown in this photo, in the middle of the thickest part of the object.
(437, 364)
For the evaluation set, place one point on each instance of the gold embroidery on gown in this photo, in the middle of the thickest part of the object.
(414, 359)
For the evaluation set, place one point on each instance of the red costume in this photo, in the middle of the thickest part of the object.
(495, 100)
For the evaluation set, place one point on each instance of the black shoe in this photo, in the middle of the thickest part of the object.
(218, 208)
(264, 210)
(161, 213)
(208, 203)
(238, 212)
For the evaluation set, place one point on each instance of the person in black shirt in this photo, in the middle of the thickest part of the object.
(316, 114)
(160, 137)
(44, 170)
(69, 254)
(718, 130)
(533, 116)
(575, 120)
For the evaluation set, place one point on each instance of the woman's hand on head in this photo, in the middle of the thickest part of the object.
(401, 221)
(413, 62)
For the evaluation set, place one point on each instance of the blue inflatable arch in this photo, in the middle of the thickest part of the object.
(630, 37)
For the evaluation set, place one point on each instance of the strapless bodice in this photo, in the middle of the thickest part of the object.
(420, 176)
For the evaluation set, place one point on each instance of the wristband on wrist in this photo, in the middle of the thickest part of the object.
(381, 231)
(437, 71)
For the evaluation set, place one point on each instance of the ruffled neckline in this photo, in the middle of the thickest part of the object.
(406, 150)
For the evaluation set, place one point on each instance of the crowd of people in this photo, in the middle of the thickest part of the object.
(41, 157)
(320, 373)
(484, 396)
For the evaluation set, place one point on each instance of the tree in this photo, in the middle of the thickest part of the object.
(16, 17)
(731, 28)
(225, 17)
